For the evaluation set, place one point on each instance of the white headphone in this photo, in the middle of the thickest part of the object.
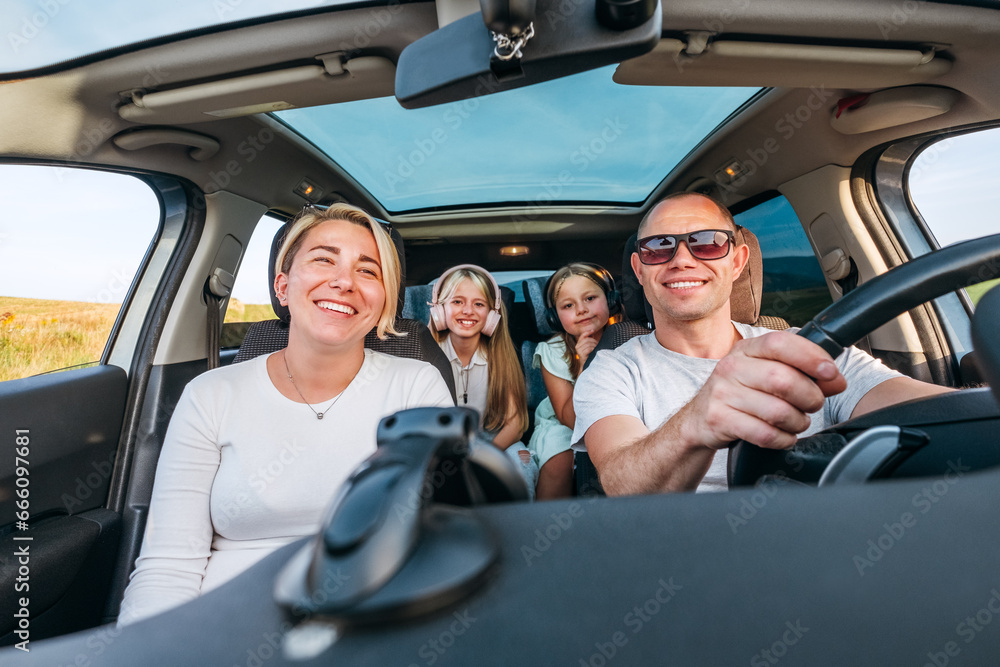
(438, 317)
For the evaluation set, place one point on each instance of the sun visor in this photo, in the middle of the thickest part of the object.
(335, 80)
(725, 62)
(457, 61)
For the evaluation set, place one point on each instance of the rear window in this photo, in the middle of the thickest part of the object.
(251, 298)
(794, 285)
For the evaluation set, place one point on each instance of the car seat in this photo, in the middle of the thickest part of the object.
(533, 289)
(534, 296)
(272, 335)
(745, 302)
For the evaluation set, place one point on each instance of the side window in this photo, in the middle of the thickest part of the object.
(71, 241)
(794, 285)
(954, 188)
(251, 299)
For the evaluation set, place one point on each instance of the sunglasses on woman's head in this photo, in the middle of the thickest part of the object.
(704, 244)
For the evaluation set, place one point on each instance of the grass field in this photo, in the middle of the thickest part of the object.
(977, 291)
(40, 335)
(249, 312)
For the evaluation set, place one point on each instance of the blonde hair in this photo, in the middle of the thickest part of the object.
(311, 216)
(505, 381)
(593, 273)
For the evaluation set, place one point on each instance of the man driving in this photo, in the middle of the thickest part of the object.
(658, 413)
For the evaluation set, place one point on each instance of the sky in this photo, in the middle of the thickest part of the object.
(87, 245)
(36, 33)
(589, 139)
(954, 186)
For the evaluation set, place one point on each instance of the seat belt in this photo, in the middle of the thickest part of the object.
(218, 286)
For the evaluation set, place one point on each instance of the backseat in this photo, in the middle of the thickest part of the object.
(533, 289)
(416, 303)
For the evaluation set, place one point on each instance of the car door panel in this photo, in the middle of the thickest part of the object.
(71, 445)
(66, 579)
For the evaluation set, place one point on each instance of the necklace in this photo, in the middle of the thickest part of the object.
(319, 415)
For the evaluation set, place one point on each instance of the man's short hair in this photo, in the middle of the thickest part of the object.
(676, 195)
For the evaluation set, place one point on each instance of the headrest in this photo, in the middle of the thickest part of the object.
(747, 290)
(279, 236)
(744, 301)
(633, 299)
(507, 297)
(417, 305)
(534, 296)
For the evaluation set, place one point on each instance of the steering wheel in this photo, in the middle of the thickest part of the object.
(854, 316)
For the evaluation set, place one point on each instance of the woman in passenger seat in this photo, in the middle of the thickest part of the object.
(579, 300)
(469, 322)
(257, 450)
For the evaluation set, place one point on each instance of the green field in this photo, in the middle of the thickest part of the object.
(40, 335)
(977, 291)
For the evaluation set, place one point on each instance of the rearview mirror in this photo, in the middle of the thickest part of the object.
(459, 61)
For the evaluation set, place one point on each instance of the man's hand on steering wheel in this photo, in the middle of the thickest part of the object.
(761, 392)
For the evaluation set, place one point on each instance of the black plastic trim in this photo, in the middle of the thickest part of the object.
(70, 563)
(73, 421)
(876, 195)
(162, 391)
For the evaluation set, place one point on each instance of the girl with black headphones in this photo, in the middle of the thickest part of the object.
(580, 299)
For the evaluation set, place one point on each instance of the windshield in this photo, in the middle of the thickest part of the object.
(41, 33)
(582, 138)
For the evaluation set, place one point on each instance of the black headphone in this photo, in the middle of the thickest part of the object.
(606, 283)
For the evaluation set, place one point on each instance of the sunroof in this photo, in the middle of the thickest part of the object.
(581, 138)
(41, 33)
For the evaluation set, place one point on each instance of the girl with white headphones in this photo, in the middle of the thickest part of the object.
(469, 322)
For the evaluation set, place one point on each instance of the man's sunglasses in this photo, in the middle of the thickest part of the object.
(705, 244)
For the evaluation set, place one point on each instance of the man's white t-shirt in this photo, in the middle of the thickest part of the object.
(643, 379)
